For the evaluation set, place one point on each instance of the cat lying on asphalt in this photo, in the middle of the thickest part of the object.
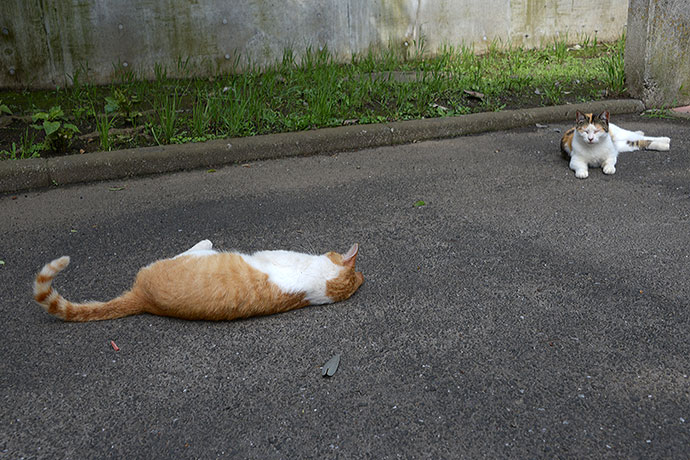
(594, 141)
(205, 284)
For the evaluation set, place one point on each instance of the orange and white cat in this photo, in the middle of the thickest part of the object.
(594, 141)
(202, 283)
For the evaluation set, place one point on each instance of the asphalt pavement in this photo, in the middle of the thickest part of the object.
(509, 310)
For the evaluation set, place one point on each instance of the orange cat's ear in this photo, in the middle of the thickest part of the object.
(350, 256)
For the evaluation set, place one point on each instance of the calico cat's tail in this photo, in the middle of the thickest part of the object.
(651, 143)
(125, 305)
(630, 141)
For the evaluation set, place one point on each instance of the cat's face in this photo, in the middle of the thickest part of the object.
(348, 280)
(592, 128)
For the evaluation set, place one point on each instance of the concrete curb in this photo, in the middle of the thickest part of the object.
(43, 172)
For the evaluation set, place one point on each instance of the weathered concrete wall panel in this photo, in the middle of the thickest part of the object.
(657, 62)
(534, 21)
(42, 42)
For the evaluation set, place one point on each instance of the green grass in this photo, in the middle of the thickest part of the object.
(314, 90)
(103, 125)
(614, 72)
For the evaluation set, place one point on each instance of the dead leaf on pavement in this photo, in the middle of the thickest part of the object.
(331, 366)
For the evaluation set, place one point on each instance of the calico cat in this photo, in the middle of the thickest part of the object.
(594, 141)
(205, 284)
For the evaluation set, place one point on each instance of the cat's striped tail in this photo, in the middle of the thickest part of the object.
(44, 293)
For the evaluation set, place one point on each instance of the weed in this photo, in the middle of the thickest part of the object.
(80, 91)
(123, 74)
(201, 116)
(589, 45)
(467, 55)
(28, 145)
(235, 113)
(613, 67)
(419, 47)
(103, 126)
(166, 107)
(288, 62)
(160, 72)
(25, 149)
(123, 103)
(58, 132)
(560, 49)
(4, 108)
(11, 154)
(554, 93)
(660, 113)
(183, 68)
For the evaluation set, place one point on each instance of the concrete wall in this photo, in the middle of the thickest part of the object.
(657, 55)
(43, 41)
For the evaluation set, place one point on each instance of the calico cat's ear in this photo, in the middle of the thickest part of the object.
(604, 116)
(579, 117)
(350, 256)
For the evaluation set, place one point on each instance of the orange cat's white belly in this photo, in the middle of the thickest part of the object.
(295, 272)
(213, 287)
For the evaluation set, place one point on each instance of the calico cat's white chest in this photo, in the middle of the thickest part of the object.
(594, 154)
